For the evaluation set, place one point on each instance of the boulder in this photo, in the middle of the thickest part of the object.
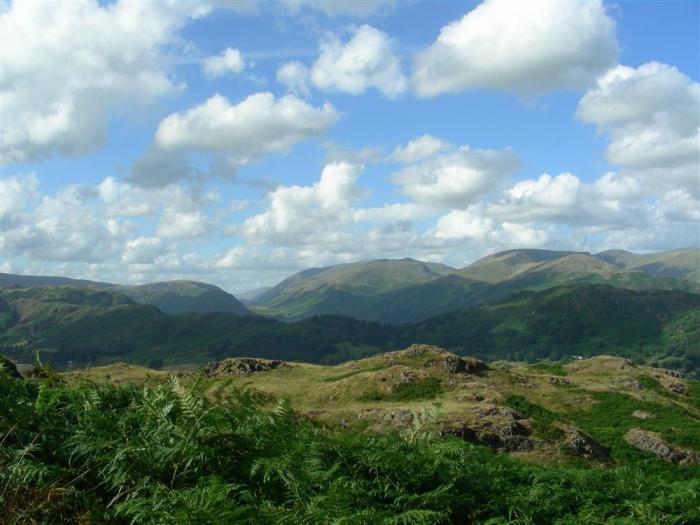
(641, 414)
(508, 437)
(584, 445)
(242, 366)
(499, 411)
(559, 381)
(652, 442)
(677, 387)
(10, 368)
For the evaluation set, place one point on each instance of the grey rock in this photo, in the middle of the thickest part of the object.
(632, 384)
(499, 411)
(559, 381)
(398, 418)
(584, 445)
(511, 437)
(677, 388)
(10, 368)
(651, 442)
(406, 377)
(641, 414)
(242, 366)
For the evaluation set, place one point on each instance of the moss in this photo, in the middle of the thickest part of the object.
(555, 369)
(428, 388)
(543, 420)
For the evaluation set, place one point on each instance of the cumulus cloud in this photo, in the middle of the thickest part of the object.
(652, 116)
(355, 8)
(366, 61)
(142, 250)
(119, 198)
(67, 67)
(463, 224)
(456, 179)
(397, 212)
(258, 125)
(229, 61)
(15, 193)
(565, 199)
(313, 214)
(525, 48)
(156, 168)
(63, 228)
(176, 223)
(295, 76)
(418, 148)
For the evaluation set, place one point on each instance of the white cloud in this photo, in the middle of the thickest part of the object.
(258, 125)
(15, 193)
(356, 8)
(613, 199)
(142, 250)
(176, 223)
(295, 76)
(456, 179)
(397, 212)
(525, 48)
(366, 61)
(314, 214)
(67, 67)
(63, 228)
(156, 168)
(652, 116)
(514, 235)
(229, 61)
(418, 148)
(461, 224)
(122, 199)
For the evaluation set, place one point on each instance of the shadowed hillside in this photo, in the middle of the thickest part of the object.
(651, 326)
(404, 291)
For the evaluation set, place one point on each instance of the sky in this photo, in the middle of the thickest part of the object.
(239, 141)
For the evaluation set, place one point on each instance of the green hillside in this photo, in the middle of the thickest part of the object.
(502, 265)
(410, 444)
(171, 297)
(27, 281)
(178, 297)
(558, 323)
(408, 291)
(345, 289)
(681, 264)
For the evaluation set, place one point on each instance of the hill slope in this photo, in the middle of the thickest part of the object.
(681, 264)
(549, 412)
(408, 291)
(344, 289)
(651, 326)
(227, 446)
(27, 281)
(170, 296)
(178, 297)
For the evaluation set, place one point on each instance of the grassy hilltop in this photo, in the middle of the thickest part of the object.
(405, 437)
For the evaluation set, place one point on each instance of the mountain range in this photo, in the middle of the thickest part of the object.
(406, 290)
(171, 297)
(517, 305)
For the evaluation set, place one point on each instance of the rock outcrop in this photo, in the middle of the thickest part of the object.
(583, 445)
(436, 357)
(10, 368)
(652, 442)
(511, 436)
(642, 414)
(242, 366)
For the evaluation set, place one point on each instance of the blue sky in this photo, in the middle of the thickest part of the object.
(237, 142)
